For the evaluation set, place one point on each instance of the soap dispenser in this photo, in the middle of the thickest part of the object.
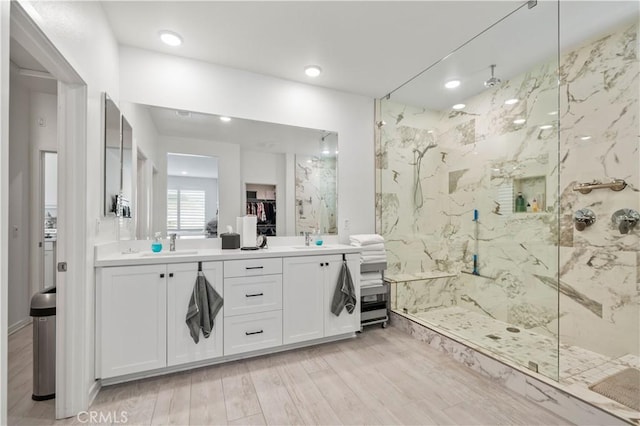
(156, 245)
(318, 237)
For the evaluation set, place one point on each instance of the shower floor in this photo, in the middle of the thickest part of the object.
(572, 365)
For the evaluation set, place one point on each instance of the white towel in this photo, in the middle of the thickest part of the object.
(366, 239)
(376, 275)
(372, 247)
(373, 259)
(372, 283)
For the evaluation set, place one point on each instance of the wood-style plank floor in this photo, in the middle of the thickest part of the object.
(383, 376)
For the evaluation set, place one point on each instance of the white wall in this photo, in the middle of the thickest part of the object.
(19, 178)
(41, 138)
(172, 82)
(270, 169)
(229, 191)
(81, 33)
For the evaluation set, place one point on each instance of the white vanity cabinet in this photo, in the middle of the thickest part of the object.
(131, 320)
(181, 348)
(309, 285)
(276, 298)
(141, 318)
(253, 305)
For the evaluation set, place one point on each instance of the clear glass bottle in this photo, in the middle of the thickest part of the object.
(156, 245)
(318, 237)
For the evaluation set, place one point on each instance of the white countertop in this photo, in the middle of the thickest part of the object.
(186, 254)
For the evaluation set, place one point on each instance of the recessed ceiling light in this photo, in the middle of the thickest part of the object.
(309, 161)
(458, 106)
(225, 119)
(183, 114)
(585, 137)
(336, 152)
(519, 121)
(452, 84)
(511, 101)
(546, 127)
(185, 173)
(553, 113)
(170, 38)
(312, 70)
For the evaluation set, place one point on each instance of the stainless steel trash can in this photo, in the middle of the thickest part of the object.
(43, 311)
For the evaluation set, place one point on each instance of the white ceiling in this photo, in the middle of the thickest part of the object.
(249, 134)
(29, 71)
(363, 47)
(198, 166)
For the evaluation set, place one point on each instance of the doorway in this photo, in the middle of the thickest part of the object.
(45, 66)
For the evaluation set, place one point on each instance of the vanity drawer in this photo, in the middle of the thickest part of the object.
(249, 267)
(250, 295)
(246, 333)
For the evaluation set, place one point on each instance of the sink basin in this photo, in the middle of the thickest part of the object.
(165, 253)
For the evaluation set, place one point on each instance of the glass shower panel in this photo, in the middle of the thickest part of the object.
(467, 191)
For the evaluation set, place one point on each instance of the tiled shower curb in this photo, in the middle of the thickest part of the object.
(542, 391)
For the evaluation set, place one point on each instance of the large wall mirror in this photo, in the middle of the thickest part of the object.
(112, 155)
(285, 175)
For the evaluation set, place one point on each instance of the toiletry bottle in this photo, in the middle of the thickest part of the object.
(520, 204)
(156, 245)
(318, 237)
(534, 206)
(528, 207)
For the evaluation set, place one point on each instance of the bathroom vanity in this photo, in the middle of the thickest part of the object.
(274, 299)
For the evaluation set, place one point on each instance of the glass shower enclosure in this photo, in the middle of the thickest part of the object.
(477, 158)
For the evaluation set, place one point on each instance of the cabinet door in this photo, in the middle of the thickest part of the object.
(346, 322)
(132, 319)
(302, 302)
(181, 348)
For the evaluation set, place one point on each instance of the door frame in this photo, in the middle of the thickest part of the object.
(71, 322)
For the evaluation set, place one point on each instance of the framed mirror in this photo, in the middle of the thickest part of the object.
(112, 156)
(126, 160)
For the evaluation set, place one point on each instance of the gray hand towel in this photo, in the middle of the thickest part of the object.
(204, 305)
(344, 295)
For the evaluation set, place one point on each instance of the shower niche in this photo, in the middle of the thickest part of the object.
(533, 190)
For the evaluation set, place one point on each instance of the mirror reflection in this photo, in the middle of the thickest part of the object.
(112, 173)
(192, 195)
(126, 169)
(285, 175)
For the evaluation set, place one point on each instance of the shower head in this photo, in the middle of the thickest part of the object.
(493, 81)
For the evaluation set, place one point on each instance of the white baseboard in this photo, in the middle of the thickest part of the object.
(19, 325)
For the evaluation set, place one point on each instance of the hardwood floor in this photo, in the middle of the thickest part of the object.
(382, 377)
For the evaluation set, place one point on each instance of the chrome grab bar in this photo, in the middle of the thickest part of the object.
(614, 185)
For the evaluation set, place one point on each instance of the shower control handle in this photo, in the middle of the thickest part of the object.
(583, 218)
(625, 220)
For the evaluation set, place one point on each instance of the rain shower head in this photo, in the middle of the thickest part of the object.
(493, 81)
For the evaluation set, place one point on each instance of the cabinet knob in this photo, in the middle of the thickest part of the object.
(161, 275)
(170, 274)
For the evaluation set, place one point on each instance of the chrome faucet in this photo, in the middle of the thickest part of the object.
(172, 242)
(307, 238)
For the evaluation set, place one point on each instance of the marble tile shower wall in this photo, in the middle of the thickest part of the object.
(316, 194)
(599, 279)
(435, 167)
